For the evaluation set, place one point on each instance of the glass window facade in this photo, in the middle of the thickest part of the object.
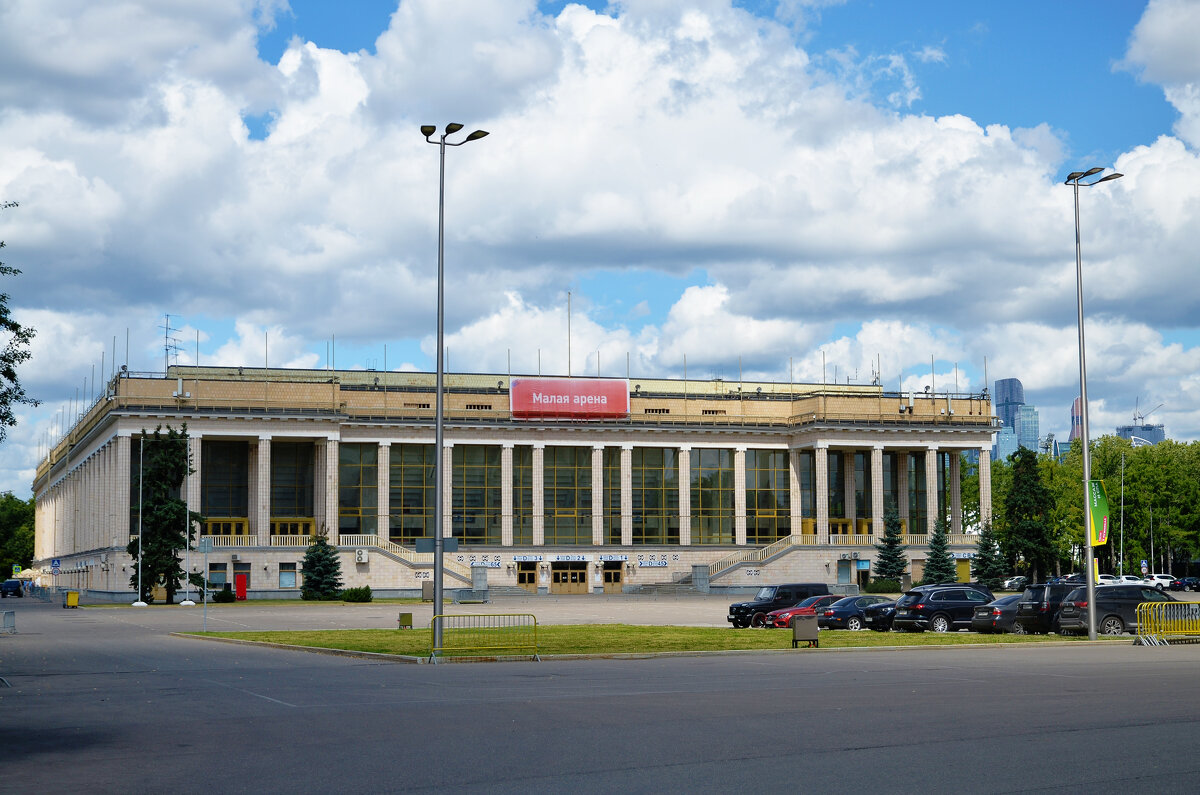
(712, 494)
(917, 523)
(224, 479)
(522, 486)
(655, 486)
(862, 485)
(768, 496)
(891, 500)
(612, 495)
(808, 479)
(476, 495)
(410, 493)
(358, 488)
(837, 485)
(292, 479)
(567, 508)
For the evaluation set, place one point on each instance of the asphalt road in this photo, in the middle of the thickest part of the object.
(104, 700)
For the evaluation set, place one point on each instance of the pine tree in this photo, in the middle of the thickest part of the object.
(940, 565)
(163, 518)
(891, 563)
(988, 567)
(322, 570)
(1026, 511)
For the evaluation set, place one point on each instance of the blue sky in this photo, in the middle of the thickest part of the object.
(762, 186)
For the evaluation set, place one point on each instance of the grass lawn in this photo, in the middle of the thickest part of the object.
(625, 638)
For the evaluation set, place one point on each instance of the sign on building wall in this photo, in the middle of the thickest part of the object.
(571, 398)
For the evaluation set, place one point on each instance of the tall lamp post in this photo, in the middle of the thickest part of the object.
(429, 130)
(1075, 179)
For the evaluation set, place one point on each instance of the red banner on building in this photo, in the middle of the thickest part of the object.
(569, 398)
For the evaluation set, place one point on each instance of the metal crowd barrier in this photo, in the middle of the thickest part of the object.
(1158, 621)
(480, 635)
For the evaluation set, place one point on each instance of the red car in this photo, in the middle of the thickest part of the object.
(783, 618)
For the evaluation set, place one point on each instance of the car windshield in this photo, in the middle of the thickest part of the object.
(910, 598)
(1076, 595)
(765, 592)
(1033, 593)
(810, 601)
(848, 601)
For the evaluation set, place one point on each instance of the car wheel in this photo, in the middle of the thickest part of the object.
(1019, 629)
(759, 620)
(1159, 586)
(854, 623)
(1112, 625)
(939, 624)
(740, 624)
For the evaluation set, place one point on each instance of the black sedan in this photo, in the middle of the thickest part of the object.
(879, 616)
(847, 613)
(996, 616)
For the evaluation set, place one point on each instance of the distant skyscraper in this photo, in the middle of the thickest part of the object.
(1139, 434)
(1006, 444)
(1027, 427)
(1076, 422)
(1008, 397)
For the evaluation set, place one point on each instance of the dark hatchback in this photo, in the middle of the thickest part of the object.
(940, 608)
(1116, 608)
(996, 616)
(847, 613)
(11, 588)
(1037, 609)
(879, 617)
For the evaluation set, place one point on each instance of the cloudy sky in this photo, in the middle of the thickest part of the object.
(753, 185)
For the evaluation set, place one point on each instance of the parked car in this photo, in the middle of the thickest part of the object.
(11, 588)
(1186, 584)
(847, 612)
(782, 619)
(940, 608)
(1116, 608)
(879, 617)
(1106, 579)
(1129, 579)
(772, 597)
(996, 616)
(1017, 583)
(1159, 581)
(1037, 609)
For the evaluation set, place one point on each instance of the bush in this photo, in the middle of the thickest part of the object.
(362, 594)
(225, 595)
(882, 586)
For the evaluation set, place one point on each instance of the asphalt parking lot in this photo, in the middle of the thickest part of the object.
(106, 700)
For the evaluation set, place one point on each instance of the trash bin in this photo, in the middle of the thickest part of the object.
(70, 599)
(804, 630)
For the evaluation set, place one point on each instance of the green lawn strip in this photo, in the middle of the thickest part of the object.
(626, 639)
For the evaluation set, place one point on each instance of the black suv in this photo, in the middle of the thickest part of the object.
(773, 597)
(11, 588)
(940, 608)
(1037, 609)
(1116, 608)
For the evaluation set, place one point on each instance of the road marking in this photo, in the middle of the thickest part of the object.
(249, 693)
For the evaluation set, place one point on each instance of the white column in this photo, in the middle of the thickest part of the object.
(739, 496)
(598, 506)
(447, 489)
(985, 483)
(383, 491)
(685, 496)
(506, 495)
(877, 491)
(260, 508)
(821, 491)
(931, 490)
(626, 494)
(192, 483)
(330, 487)
(795, 492)
(539, 495)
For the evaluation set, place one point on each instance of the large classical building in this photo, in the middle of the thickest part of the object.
(559, 485)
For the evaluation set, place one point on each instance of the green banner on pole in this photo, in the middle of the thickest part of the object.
(1098, 505)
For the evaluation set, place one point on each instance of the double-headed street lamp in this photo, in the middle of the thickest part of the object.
(1075, 179)
(429, 130)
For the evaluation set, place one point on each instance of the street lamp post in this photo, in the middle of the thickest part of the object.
(1074, 179)
(429, 130)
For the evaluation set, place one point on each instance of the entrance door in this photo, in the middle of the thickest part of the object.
(568, 578)
(612, 576)
(844, 572)
(527, 575)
